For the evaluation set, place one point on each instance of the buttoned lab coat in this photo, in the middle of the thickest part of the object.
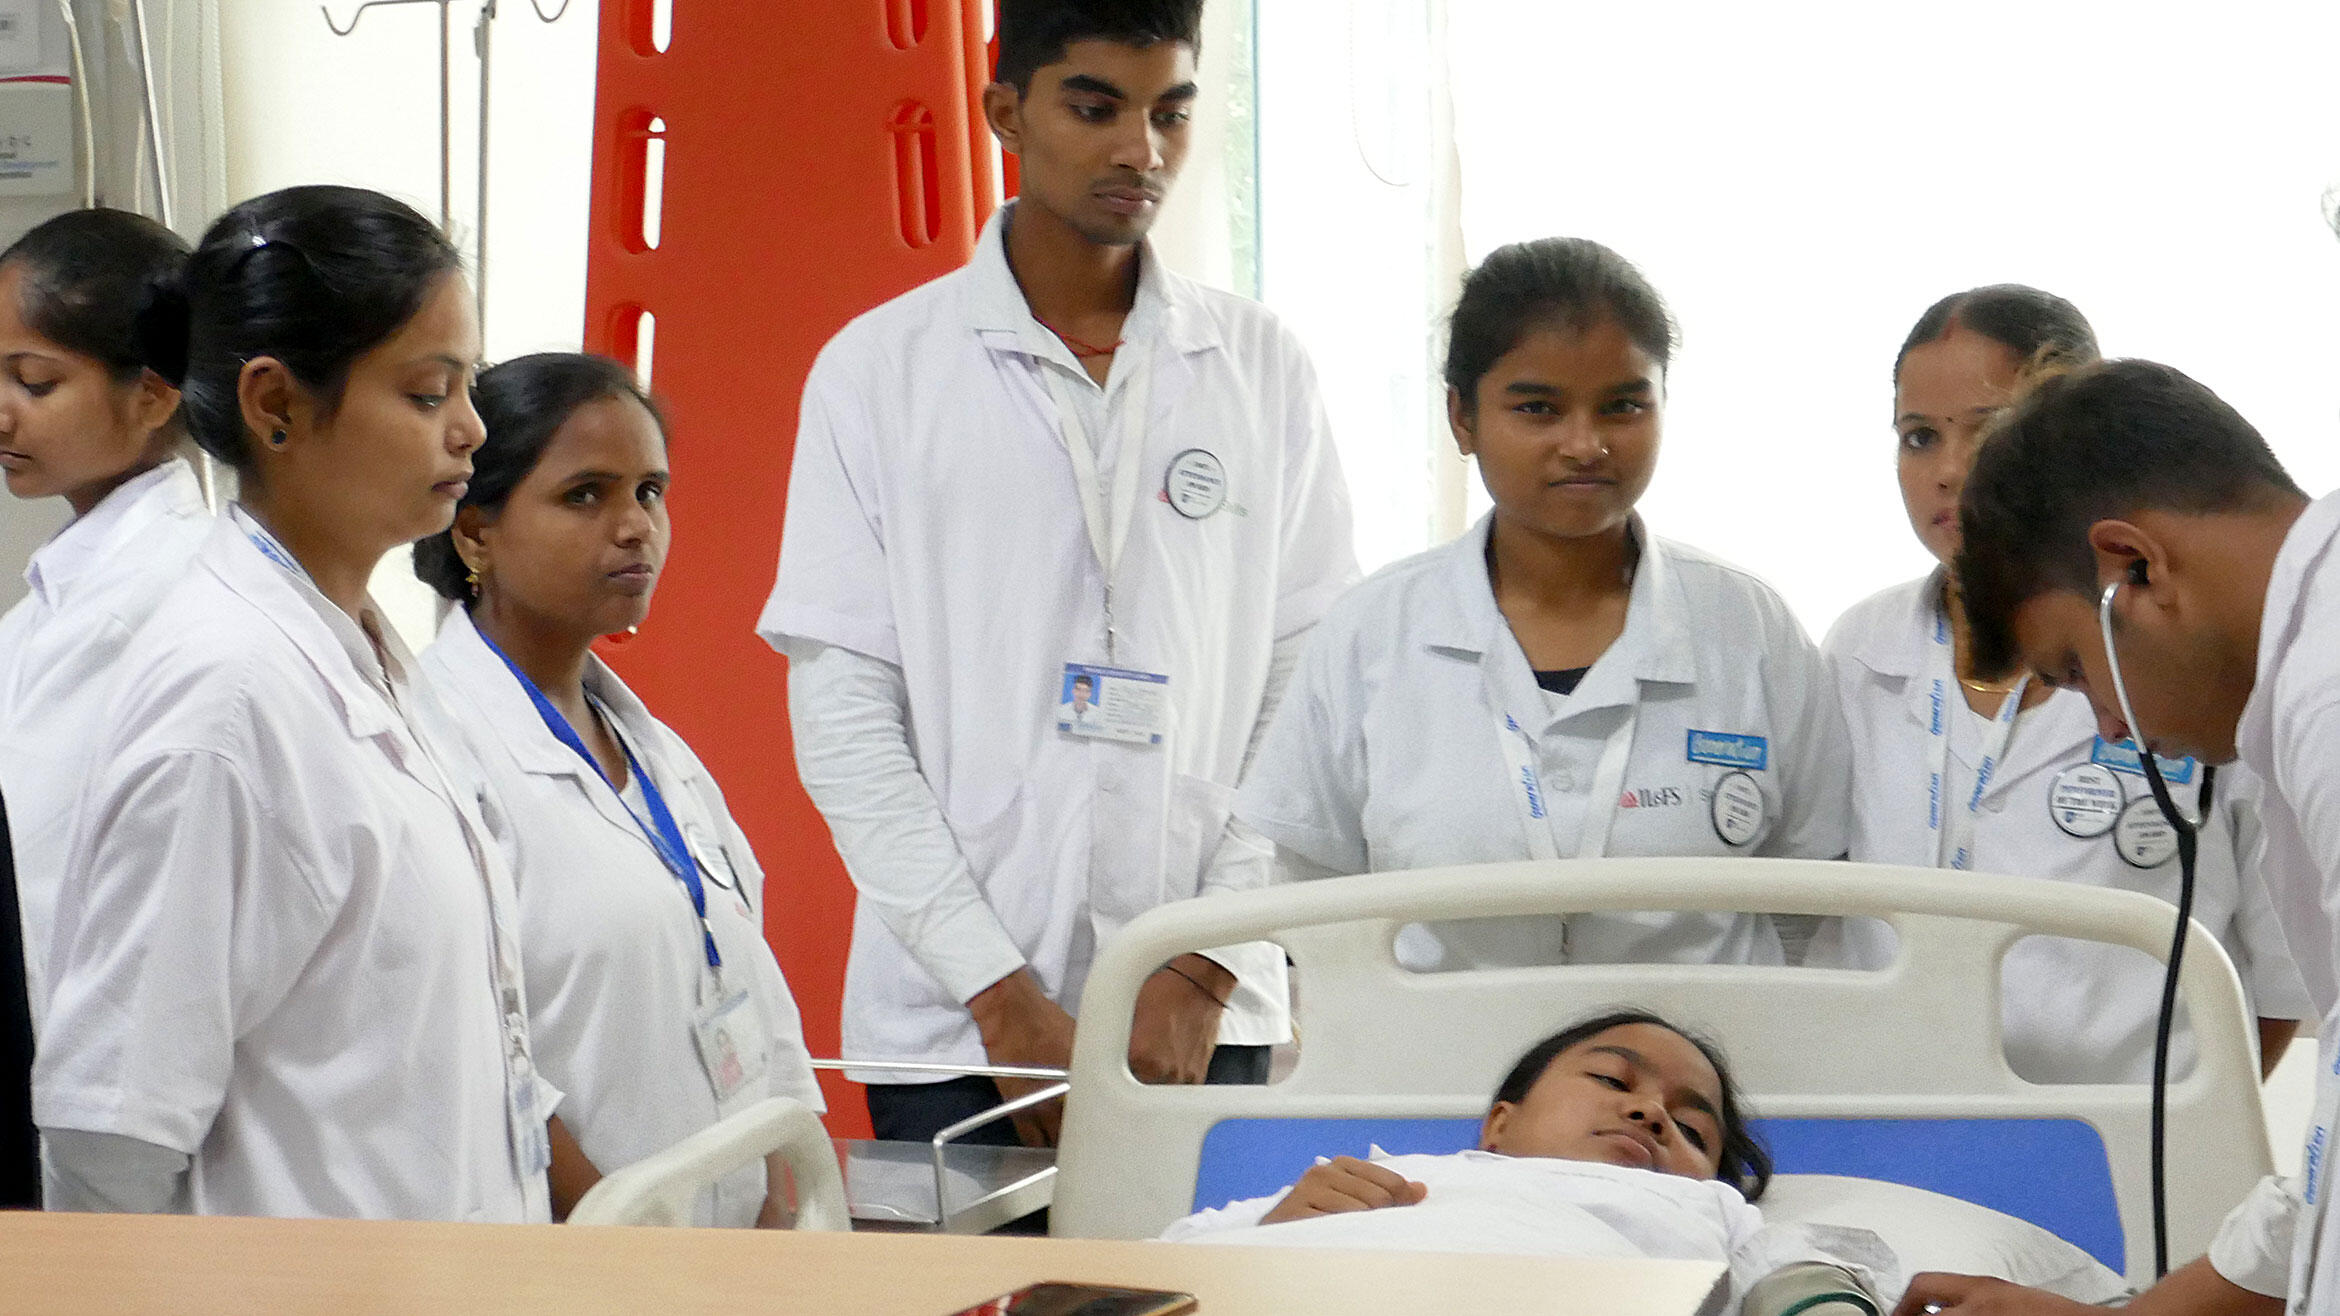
(276, 949)
(1386, 753)
(2075, 1012)
(934, 523)
(616, 962)
(91, 586)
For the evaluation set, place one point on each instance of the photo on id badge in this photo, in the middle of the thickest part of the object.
(1111, 703)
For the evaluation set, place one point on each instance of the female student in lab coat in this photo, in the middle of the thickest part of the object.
(2052, 799)
(1558, 682)
(657, 1005)
(285, 977)
(82, 419)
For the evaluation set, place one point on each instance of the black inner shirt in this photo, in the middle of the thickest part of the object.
(1562, 682)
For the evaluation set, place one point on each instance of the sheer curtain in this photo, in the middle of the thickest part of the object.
(1358, 251)
(1801, 178)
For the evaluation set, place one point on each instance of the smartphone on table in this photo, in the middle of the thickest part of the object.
(1053, 1299)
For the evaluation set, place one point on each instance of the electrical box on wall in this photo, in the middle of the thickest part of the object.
(36, 135)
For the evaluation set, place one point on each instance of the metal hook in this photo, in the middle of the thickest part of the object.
(360, 12)
(553, 17)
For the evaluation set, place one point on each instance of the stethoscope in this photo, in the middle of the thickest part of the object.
(2188, 835)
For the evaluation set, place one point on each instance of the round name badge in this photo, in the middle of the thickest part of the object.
(1738, 809)
(2086, 800)
(2145, 838)
(1196, 484)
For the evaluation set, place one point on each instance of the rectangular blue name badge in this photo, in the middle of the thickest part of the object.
(1112, 703)
(2123, 758)
(1726, 749)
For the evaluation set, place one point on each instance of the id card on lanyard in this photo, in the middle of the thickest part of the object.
(1144, 717)
(725, 1026)
(1951, 822)
(524, 1123)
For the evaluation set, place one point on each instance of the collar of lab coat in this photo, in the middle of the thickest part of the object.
(2306, 551)
(363, 680)
(1655, 645)
(513, 722)
(1899, 642)
(995, 307)
(1899, 637)
(88, 542)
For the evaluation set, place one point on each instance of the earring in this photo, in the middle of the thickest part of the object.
(471, 578)
(276, 438)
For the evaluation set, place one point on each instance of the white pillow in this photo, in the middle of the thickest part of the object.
(1931, 1231)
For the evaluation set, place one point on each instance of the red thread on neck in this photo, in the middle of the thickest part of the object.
(1081, 348)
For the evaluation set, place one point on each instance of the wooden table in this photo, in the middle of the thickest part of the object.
(61, 1265)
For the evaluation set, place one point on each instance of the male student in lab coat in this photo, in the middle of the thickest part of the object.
(2129, 477)
(1059, 459)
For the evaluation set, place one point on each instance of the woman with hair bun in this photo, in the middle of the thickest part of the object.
(2014, 779)
(286, 977)
(84, 419)
(1559, 682)
(657, 1005)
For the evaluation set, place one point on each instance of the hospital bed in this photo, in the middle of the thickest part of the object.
(1895, 1074)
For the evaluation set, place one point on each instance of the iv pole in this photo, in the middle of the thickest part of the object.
(482, 45)
(446, 91)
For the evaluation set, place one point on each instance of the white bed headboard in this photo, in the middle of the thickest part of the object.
(1917, 1040)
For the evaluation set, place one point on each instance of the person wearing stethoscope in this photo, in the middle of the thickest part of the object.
(2125, 533)
(657, 1005)
(1951, 774)
(1558, 683)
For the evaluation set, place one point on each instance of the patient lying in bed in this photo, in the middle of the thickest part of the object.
(1619, 1137)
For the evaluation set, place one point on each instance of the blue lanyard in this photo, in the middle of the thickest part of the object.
(660, 831)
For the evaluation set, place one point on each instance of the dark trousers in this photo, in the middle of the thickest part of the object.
(915, 1112)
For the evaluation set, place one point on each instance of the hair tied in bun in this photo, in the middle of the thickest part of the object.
(162, 328)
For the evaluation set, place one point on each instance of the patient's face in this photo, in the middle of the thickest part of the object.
(1635, 1095)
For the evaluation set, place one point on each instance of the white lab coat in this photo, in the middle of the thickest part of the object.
(2289, 734)
(616, 963)
(284, 947)
(1386, 754)
(91, 586)
(2075, 1011)
(934, 524)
